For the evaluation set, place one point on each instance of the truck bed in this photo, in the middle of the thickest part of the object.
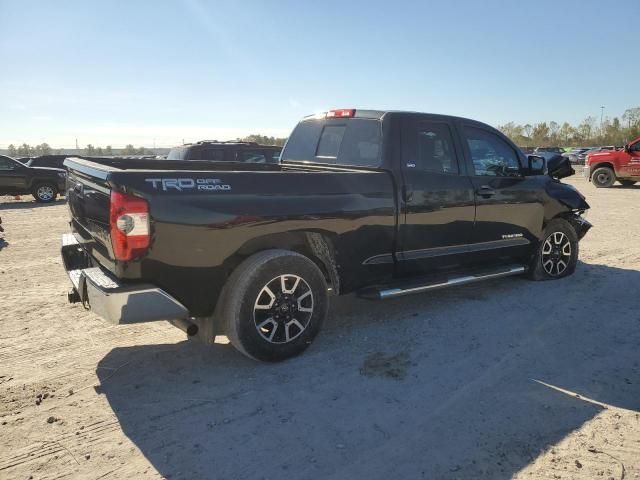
(206, 217)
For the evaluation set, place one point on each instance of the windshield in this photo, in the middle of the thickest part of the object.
(355, 141)
(177, 153)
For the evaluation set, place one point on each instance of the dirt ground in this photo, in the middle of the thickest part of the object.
(507, 379)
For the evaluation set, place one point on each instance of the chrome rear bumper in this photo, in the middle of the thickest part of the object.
(114, 301)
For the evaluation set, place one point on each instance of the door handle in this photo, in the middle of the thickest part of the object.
(485, 191)
(407, 193)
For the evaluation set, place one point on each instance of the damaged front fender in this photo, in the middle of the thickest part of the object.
(568, 195)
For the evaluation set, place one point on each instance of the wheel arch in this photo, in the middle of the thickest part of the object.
(602, 164)
(316, 246)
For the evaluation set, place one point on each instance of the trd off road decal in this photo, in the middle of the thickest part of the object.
(182, 184)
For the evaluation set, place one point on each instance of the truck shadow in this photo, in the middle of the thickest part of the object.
(26, 204)
(468, 383)
(626, 187)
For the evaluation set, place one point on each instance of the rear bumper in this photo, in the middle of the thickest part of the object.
(112, 300)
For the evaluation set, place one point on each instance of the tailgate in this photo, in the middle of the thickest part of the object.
(88, 195)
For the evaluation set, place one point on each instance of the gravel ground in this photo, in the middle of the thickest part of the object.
(507, 379)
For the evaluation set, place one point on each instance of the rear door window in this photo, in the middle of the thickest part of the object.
(435, 149)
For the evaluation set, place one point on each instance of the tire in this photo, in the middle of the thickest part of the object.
(627, 183)
(553, 258)
(603, 177)
(45, 192)
(259, 312)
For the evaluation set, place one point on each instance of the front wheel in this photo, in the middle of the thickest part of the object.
(603, 177)
(274, 304)
(627, 183)
(557, 254)
(45, 192)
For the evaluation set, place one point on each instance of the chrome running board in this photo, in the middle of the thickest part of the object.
(384, 293)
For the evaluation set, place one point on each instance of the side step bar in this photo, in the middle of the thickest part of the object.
(385, 293)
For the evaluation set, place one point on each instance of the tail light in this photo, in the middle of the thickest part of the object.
(129, 225)
(341, 113)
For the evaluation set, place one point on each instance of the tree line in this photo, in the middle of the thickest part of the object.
(589, 132)
(263, 140)
(26, 150)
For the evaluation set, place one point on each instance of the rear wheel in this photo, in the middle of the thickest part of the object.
(627, 183)
(557, 254)
(603, 177)
(45, 192)
(274, 304)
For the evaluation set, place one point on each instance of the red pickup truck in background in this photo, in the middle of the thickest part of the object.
(604, 168)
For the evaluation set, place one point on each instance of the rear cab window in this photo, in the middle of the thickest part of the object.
(353, 141)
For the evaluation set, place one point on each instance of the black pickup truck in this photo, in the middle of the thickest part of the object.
(375, 202)
(19, 179)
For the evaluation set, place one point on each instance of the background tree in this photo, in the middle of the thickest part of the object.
(42, 149)
(90, 150)
(540, 134)
(25, 150)
(263, 140)
(12, 150)
(128, 150)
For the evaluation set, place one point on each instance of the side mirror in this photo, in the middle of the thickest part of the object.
(626, 147)
(537, 165)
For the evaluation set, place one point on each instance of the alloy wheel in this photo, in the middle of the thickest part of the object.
(45, 192)
(556, 253)
(283, 308)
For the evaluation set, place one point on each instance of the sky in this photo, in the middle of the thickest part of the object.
(160, 72)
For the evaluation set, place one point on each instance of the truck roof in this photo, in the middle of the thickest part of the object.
(379, 114)
(230, 143)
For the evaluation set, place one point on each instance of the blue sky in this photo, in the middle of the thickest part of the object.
(116, 72)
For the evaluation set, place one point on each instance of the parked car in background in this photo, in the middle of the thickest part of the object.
(381, 203)
(49, 161)
(604, 167)
(582, 156)
(574, 153)
(243, 152)
(557, 150)
(528, 150)
(18, 179)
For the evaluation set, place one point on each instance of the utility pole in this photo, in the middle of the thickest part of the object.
(601, 115)
(77, 144)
